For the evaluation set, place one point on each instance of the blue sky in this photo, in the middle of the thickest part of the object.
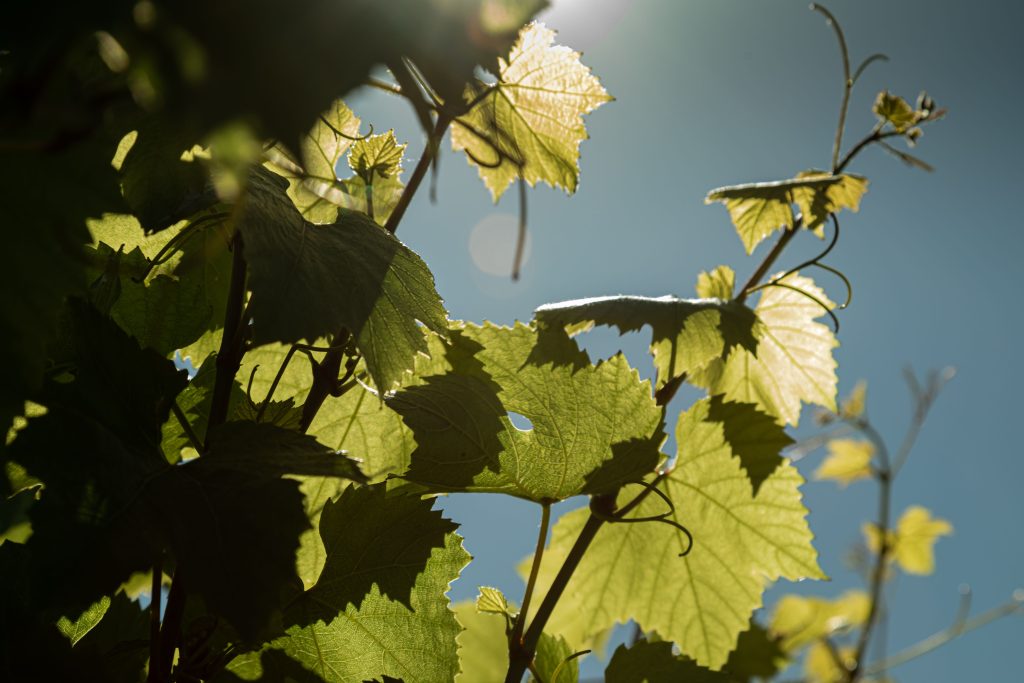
(717, 92)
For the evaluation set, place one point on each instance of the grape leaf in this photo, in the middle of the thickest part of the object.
(483, 645)
(593, 427)
(646, 661)
(718, 284)
(532, 118)
(686, 334)
(493, 601)
(376, 186)
(387, 286)
(895, 110)
(552, 661)
(759, 209)
(912, 542)
(793, 361)
(268, 450)
(704, 600)
(75, 630)
(799, 620)
(848, 460)
(343, 629)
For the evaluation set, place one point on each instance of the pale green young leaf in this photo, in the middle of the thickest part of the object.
(759, 209)
(379, 607)
(377, 155)
(848, 460)
(702, 601)
(912, 542)
(853, 406)
(593, 427)
(296, 270)
(686, 334)
(75, 630)
(720, 283)
(532, 118)
(798, 620)
(895, 110)
(793, 361)
(492, 601)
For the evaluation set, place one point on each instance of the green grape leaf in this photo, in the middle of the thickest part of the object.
(759, 209)
(686, 334)
(377, 155)
(848, 460)
(817, 203)
(720, 283)
(820, 664)
(756, 655)
(530, 124)
(799, 620)
(75, 630)
(483, 645)
(704, 600)
(161, 198)
(268, 450)
(895, 110)
(387, 286)
(315, 173)
(593, 427)
(755, 438)
(180, 298)
(793, 361)
(853, 406)
(552, 661)
(655, 662)
(379, 607)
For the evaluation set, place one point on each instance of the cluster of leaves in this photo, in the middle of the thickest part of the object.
(277, 501)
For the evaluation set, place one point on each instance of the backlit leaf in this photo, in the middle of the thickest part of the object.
(793, 361)
(533, 116)
(702, 601)
(379, 607)
(820, 666)
(592, 427)
(853, 405)
(799, 620)
(848, 460)
(483, 645)
(759, 209)
(912, 542)
(686, 334)
(895, 110)
(387, 287)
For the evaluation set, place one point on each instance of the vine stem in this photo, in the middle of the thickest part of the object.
(884, 477)
(514, 641)
(847, 82)
(229, 357)
(522, 657)
(325, 374)
(154, 620)
(768, 261)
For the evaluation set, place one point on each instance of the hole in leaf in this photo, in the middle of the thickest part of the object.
(520, 422)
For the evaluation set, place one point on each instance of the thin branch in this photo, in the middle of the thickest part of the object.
(883, 473)
(229, 357)
(531, 584)
(154, 620)
(418, 173)
(769, 260)
(847, 82)
(937, 640)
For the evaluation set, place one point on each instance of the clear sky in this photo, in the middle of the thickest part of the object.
(715, 92)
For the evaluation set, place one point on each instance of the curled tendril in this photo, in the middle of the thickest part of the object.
(877, 57)
(664, 518)
(565, 662)
(339, 133)
(248, 387)
(816, 262)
